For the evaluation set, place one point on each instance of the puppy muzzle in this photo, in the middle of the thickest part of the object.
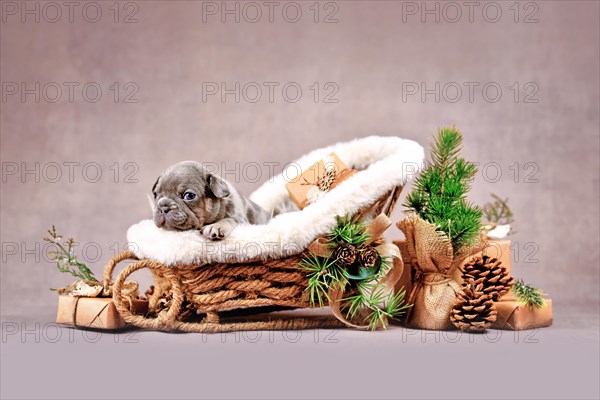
(168, 215)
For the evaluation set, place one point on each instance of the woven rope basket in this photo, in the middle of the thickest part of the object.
(194, 298)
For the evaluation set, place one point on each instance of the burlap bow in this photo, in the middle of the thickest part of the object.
(434, 260)
(375, 230)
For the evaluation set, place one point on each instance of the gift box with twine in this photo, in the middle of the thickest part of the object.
(515, 316)
(317, 180)
(86, 304)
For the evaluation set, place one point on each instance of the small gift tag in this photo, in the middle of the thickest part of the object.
(317, 180)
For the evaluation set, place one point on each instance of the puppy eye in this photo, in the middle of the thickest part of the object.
(189, 196)
(155, 194)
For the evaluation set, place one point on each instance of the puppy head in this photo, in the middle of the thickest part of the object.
(186, 197)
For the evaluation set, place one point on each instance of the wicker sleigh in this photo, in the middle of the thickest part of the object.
(201, 297)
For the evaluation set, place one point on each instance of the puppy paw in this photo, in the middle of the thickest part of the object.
(216, 231)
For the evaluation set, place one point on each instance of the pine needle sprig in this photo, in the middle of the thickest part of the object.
(379, 303)
(497, 212)
(65, 258)
(350, 231)
(528, 295)
(323, 273)
(369, 301)
(447, 146)
(439, 194)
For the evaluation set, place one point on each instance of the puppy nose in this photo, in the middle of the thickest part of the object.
(165, 209)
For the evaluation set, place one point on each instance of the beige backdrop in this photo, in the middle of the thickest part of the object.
(540, 149)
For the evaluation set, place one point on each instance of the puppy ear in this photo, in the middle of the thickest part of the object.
(151, 197)
(155, 184)
(217, 186)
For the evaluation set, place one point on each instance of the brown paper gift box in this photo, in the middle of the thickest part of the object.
(298, 187)
(94, 312)
(515, 316)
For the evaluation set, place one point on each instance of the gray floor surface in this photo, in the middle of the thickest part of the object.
(42, 360)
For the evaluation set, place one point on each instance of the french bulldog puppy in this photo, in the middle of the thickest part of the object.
(187, 197)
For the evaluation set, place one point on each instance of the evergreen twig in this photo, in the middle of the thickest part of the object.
(528, 295)
(370, 301)
(379, 304)
(323, 273)
(65, 258)
(497, 212)
(349, 230)
(439, 196)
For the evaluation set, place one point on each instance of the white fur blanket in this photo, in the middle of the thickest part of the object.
(384, 163)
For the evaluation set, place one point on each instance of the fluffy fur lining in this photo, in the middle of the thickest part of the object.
(384, 162)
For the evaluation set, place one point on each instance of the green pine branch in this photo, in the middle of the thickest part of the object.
(65, 258)
(378, 303)
(528, 295)
(439, 194)
(322, 273)
(350, 231)
(370, 301)
(497, 212)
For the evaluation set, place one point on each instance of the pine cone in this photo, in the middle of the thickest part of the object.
(490, 273)
(345, 255)
(473, 310)
(368, 257)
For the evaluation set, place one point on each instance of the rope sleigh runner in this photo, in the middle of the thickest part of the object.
(197, 290)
